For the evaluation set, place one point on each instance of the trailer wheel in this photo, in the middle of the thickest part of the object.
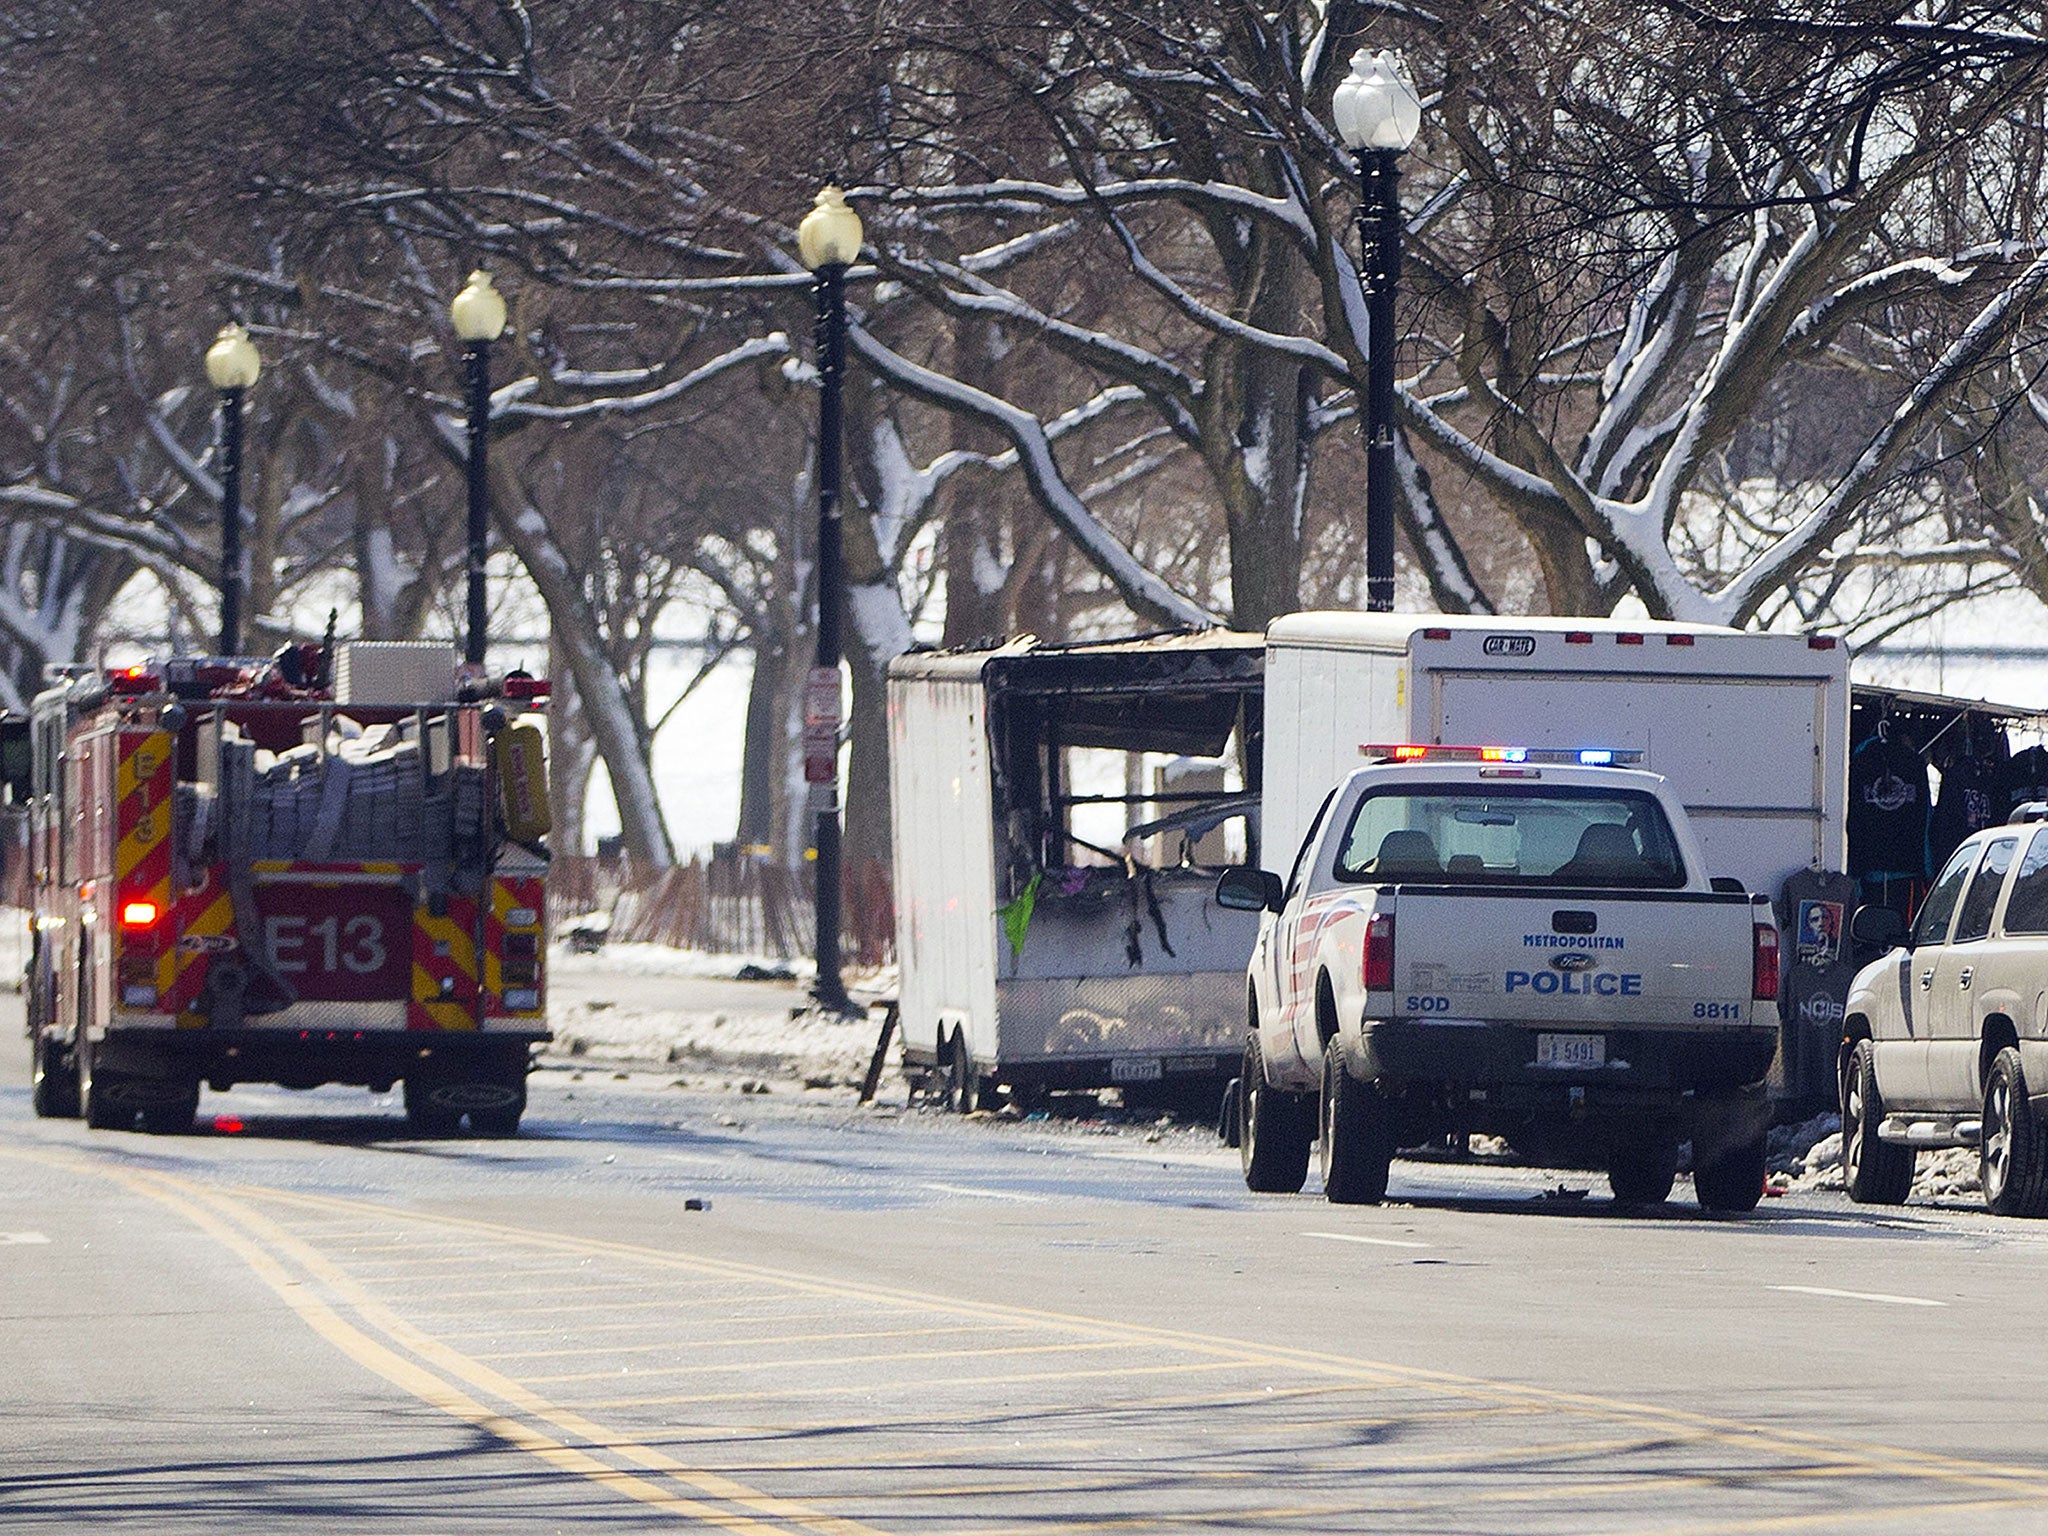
(1357, 1134)
(1274, 1130)
(962, 1086)
(55, 1081)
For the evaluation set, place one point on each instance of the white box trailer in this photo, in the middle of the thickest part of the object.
(1040, 954)
(1752, 729)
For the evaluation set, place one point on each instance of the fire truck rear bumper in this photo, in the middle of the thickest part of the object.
(373, 1058)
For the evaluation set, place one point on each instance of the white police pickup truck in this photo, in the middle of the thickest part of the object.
(1514, 942)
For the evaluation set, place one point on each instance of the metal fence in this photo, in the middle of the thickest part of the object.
(728, 906)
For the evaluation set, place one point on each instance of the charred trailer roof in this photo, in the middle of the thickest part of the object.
(1180, 694)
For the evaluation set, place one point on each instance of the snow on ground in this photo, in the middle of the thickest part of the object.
(731, 1015)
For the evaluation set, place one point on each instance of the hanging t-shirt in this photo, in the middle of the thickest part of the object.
(1973, 790)
(1820, 962)
(2026, 777)
(1888, 805)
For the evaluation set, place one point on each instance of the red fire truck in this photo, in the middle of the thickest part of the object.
(328, 867)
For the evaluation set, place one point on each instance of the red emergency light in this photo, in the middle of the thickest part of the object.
(138, 914)
(521, 687)
(1416, 752)
(132, 680)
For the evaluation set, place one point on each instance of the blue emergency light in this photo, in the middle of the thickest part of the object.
(1418, 752)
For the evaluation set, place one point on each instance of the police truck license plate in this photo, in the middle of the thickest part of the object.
(1571, 1050)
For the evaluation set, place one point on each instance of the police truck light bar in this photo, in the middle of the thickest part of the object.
(1418, 752)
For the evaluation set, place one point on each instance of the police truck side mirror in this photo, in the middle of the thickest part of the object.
(1878, 927)
(1244, 889)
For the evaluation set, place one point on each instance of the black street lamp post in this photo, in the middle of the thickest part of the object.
(479, 316)
(1377, 114)
(231, 367)
(829, 240)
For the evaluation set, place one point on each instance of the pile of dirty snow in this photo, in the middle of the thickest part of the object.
(1809, 1156)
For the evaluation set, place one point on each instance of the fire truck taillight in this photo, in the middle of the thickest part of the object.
(520, 963)
(139, 914)
(1378, 967)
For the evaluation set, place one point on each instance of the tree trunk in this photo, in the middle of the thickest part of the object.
(621, 737)
(762, 753)
(572, 754)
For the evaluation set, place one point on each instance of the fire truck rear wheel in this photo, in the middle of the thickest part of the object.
(174, 1118)
(99, 1094)
(427, 1117)
(56, 1081)
(504, 1119)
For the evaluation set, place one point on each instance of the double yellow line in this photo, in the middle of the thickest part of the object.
(345, 1314)
(343, 1311)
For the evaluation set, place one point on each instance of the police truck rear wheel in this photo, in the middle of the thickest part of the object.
(1357, 1134)
(1274, 1130)
(1733, 1180)
(1641, 1167)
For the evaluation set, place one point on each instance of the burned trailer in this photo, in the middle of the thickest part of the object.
(1060, 812)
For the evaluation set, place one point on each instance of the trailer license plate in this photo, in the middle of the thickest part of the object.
(1135, 1069)
(1571, 1050)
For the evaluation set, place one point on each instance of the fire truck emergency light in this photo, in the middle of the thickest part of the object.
(129, 680)
(138, 914)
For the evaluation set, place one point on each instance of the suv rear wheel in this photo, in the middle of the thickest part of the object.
(1274, 1129)
(2013, 1152)
(1874, 1172)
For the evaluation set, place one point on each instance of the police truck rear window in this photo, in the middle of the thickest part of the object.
(1512, 835)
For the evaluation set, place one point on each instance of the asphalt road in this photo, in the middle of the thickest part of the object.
(303, 1319)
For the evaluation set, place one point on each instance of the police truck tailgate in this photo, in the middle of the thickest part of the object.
(1579, 961)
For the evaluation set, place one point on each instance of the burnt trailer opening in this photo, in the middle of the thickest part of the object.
(1060, 815)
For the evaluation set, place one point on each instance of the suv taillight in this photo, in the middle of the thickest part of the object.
(1378, 969)
(1764, 964)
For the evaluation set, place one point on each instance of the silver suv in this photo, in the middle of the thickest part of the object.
(1946, 1037)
